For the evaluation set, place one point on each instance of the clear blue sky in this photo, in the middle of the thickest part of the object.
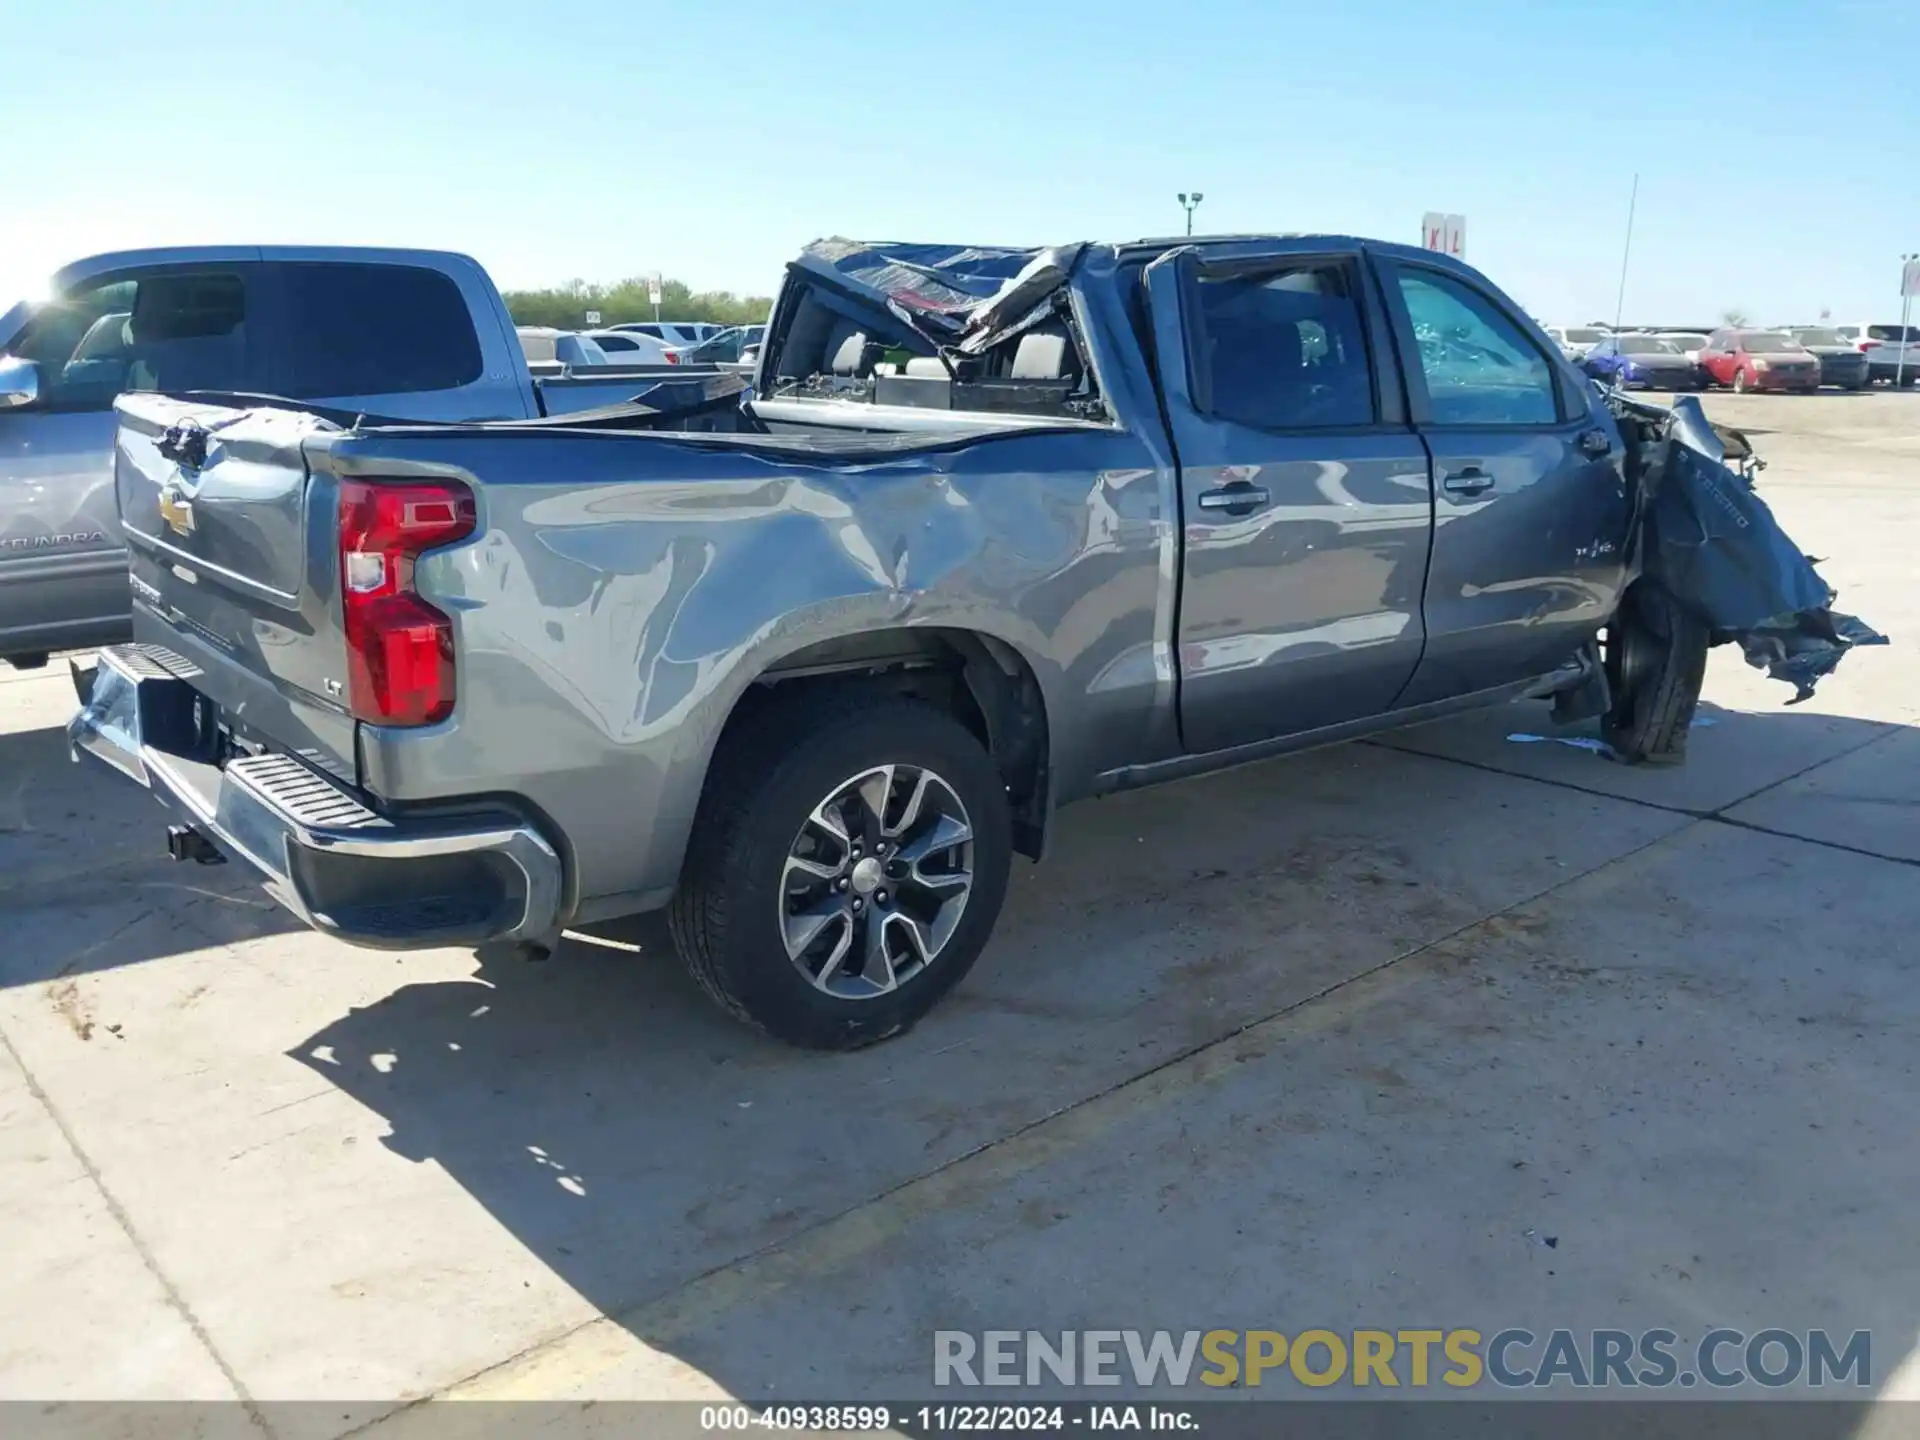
(1777, 141)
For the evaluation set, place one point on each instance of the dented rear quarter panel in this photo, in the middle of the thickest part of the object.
(625, 590)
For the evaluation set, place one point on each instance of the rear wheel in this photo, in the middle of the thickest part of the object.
(847, 867)
(1656, 660)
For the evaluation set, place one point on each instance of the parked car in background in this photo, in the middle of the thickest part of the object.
(397, 334)
(1689, 342)
(1841, 363)
(1576, 340)
(724, 348)
(1760, 360)
(544, 345)
(1643, 362)
(1891, 350)
(677, 333)
(630, 347)
(1112, 514)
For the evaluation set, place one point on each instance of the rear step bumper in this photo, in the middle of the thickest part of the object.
(394, 882)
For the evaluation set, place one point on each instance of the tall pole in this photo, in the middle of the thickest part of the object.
(1190, 203)
(1906, 308)
(1620, 301)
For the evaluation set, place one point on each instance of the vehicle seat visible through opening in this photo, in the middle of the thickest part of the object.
(1045, 353)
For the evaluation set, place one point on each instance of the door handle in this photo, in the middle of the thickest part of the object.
(1594, 443)
(1239, 498)
(1468, 480)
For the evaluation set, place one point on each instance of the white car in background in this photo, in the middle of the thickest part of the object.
(1689, 342)
(1891, 350)
(544, 345)
(678, 334)
(630, 347)
(1576, 340)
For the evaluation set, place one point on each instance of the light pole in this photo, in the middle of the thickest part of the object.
(1189, 203)
(1906, 308)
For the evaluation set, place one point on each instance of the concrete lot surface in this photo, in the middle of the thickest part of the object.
(1445, 1029)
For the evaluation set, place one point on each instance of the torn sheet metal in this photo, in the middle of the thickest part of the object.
(1711, 542)
(1023, 301)
(940, 283)
(945, 290)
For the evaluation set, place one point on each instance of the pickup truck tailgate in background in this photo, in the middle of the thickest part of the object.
(213, 500)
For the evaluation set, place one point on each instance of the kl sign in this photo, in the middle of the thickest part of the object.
(1445, 233)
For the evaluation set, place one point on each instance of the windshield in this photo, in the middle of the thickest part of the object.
(1756, 342)
(1647, 345)
(1585, 337)
(1819, 337)
(1686, 341)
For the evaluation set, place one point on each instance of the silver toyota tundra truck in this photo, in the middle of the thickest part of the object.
(406, 334)
(996, 530)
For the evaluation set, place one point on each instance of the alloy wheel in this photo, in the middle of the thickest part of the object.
(876, 880)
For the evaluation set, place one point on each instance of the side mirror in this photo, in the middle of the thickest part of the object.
(19, 382)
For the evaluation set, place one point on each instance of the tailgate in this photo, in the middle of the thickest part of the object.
(223, 521)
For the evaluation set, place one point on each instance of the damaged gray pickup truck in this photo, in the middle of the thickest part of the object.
(993, 531)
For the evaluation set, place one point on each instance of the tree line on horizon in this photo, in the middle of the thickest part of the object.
(565, 306)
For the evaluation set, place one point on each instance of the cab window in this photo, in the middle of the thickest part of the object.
(1480, 368)
(1283, 350)
(177, 331)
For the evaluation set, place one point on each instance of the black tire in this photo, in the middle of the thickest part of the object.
(1740, 382)
(1656, 656)
(765, 781)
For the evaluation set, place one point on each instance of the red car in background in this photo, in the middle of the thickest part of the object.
(1760, 360)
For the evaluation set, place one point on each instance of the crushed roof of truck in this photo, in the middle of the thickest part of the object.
(945, 292)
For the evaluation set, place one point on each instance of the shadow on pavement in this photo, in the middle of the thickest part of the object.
(85, 882)
(633, 1137)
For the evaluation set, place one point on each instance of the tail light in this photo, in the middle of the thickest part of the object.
(673, 357)
(1864, 345)
(399, 648)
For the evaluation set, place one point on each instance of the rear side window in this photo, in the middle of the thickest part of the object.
(1892, 332)
(1479, 368)
(176, 331)
(1283, 350)
(355, 330)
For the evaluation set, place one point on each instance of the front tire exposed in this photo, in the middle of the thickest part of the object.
(846, 869)
(1656, 660)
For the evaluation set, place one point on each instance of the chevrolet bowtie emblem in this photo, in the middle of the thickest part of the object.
(176, 509)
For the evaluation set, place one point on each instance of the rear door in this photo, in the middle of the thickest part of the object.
(395, 339)
(63, 567)
(1531, 506)
(1306, 507)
